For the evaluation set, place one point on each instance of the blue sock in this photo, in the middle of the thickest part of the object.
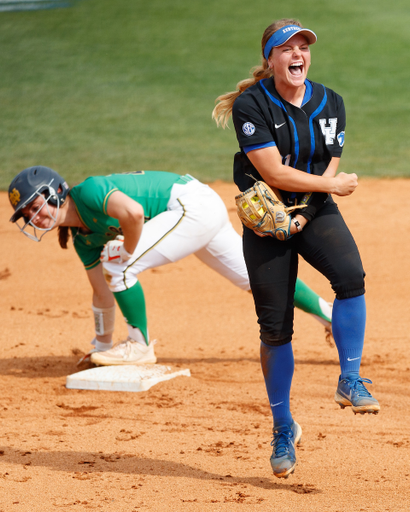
(277, 367)
(348, 326)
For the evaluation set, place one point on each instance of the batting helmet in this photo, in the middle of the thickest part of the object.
(33, 181)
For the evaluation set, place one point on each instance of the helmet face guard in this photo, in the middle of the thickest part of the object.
(33, 182)
(28, 223)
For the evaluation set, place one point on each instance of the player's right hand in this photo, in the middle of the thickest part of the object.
(114, 251)
(345, 184)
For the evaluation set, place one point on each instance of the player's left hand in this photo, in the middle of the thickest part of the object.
(261, 209)
(114, 251)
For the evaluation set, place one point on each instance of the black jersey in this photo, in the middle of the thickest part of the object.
(307, 137)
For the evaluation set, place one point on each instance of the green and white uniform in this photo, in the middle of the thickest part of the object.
(183, 217)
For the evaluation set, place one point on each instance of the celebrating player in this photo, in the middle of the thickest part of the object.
(123, 224)
(291, 134)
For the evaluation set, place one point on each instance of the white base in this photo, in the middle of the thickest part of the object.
(123, 378)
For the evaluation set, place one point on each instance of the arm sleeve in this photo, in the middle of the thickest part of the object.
(258, 146)
(337, 147)
(250, 124)
(96, 192)
(315, 203)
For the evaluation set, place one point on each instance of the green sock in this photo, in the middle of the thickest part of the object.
(132, 305)
(307, 300)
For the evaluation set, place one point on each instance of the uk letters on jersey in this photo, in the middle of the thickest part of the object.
(307, 138)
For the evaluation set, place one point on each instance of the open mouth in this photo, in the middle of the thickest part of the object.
(296, 69)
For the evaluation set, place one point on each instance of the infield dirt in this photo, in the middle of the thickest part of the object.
(201, 443)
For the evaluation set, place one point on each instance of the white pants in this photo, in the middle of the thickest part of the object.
(196, 222)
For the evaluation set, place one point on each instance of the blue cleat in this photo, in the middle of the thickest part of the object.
(352, 392)
(283, 458)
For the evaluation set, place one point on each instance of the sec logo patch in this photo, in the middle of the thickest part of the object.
(341, 139)
(248, 129)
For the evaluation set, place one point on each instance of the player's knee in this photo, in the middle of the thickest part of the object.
(275, 339)
(349, 286)
(118, 277)
(107, 275)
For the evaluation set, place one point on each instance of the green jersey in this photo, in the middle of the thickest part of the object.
(151, 189)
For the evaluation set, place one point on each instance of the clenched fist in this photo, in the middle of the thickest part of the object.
(345, 184)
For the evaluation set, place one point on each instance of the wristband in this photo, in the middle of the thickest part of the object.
(297, 224)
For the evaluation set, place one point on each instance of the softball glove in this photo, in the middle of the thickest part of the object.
(261, 209)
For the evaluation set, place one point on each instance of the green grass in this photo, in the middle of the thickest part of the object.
(112, 86)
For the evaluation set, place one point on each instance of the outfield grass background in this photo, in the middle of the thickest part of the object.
(120, 85)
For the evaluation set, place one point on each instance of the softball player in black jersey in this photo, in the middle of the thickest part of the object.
(291, 135)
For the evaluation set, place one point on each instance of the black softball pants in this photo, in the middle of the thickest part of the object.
(325, 243)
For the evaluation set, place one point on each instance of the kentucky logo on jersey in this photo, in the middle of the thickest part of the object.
(329, 130)
(248, 129)
(14, 197)
(341, 139)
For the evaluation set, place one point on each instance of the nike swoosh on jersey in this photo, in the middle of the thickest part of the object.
(354, 358)
(279, 125)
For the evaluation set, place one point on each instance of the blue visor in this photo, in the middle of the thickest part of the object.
(284, 34)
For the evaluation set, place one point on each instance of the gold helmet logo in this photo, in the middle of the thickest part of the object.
(14, 197)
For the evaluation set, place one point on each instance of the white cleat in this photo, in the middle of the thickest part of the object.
(126, 352)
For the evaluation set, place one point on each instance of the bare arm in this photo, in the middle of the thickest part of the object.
(332, 167)
(130, 215)
(330, 172)
(268, 162)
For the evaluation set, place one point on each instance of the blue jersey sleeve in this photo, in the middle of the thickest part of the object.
(250, 124)
(258, 146)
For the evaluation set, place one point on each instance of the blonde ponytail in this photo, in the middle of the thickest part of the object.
(224, 103)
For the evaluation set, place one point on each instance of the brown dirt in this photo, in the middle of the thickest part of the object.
(201, 443)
